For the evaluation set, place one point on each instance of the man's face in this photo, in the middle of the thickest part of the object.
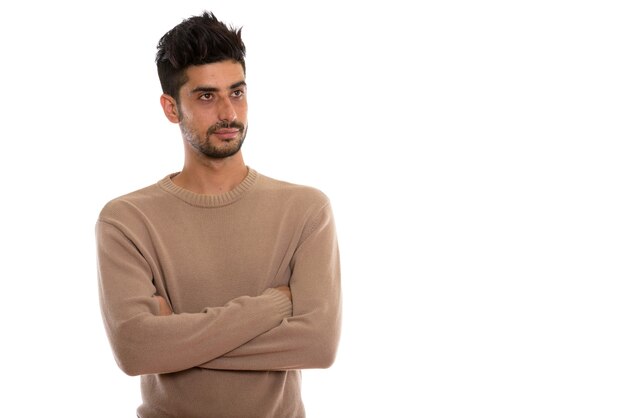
(213, 110)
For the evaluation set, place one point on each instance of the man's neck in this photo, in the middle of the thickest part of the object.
(212, 177)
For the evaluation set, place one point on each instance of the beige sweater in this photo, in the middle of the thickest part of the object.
(234, 345)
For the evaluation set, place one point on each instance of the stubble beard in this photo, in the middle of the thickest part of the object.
(203, 144)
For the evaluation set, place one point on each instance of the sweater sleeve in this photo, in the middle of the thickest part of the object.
(309, 338)
(144, 342)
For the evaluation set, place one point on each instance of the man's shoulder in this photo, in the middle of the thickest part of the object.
(287, 191)
(134, 202)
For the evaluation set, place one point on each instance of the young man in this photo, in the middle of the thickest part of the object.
(217, 284)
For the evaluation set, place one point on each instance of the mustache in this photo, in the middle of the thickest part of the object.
(226, 124)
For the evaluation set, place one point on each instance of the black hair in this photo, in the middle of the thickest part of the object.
(195, 41)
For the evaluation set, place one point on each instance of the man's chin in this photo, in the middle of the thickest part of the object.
(227, 151)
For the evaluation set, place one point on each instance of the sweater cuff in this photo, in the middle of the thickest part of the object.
(282, 302)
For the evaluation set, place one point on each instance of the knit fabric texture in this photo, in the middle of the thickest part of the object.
(234, 345)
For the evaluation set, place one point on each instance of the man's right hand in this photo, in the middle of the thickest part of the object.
(284, 290)
(164, 307)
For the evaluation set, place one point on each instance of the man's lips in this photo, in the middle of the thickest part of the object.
(226, 133)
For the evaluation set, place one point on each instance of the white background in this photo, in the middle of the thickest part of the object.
(473, 151)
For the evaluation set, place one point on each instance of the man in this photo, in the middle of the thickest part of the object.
(217, 284)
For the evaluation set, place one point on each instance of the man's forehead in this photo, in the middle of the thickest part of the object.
(221, 74)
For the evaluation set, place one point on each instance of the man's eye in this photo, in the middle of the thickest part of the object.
(238, 93)
(206, 96)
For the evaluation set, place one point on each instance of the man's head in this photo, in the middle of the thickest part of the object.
(195, 41)
(202, 71)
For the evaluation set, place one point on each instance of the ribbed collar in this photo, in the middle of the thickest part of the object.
(206, 200)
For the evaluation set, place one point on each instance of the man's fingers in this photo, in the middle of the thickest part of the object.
(285, 290)
(164, 307)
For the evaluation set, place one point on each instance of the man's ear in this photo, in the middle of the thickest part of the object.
(169, 108)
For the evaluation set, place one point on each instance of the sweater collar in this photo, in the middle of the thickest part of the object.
(205, 200)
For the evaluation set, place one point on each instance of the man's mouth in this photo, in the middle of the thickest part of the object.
(226, 133)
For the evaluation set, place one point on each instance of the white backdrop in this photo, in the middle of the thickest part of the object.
(473, 151)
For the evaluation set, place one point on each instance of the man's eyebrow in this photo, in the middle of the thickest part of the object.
(210, 89)
(204, 89)
(239, 84)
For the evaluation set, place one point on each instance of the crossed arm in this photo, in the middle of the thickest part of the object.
(309, 337)
(283, 328)
(165, 310)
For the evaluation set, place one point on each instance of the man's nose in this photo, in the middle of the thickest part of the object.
(226, 111)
